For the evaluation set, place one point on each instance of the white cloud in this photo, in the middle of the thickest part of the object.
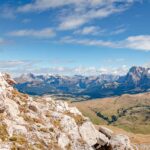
(89, 30)
(44, 33)
(15, 63)
(83, 16)
(42, 5)
(17, 67)
(140, 42)
(71, 23)
(96, 30)
(86, 71)
(80, 12)
(146, 65)
(87, 42)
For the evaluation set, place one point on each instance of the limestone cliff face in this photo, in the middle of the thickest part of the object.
(40, 123)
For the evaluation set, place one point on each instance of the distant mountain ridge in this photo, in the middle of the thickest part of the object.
(135, 81)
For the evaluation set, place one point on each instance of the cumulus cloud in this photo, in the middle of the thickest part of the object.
(140, 42)
(43, 33)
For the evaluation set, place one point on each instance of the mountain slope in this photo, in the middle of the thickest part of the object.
(41, 123)
(129, 112)
(137, 80)
(50, 84)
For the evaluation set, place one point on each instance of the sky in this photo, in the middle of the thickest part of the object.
(87, 37)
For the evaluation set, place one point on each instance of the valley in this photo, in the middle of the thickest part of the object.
(129, 112)
(120, 103)
(126, 114)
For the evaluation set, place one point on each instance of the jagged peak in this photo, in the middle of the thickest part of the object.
(6, 82)
(137, 69)
(6, 79)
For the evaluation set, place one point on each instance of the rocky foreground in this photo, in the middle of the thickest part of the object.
(28, 123)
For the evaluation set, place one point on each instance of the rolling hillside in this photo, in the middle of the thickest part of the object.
(129, 112)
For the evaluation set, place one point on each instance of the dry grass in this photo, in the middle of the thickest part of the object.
(135, 123)
(78, 118)
(3, 132)
(44, 130)
(32, 120)
(135, 138)
(56, 123)
(20, 139)
(22, 96)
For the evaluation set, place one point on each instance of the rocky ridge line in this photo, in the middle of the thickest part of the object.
(40, 123)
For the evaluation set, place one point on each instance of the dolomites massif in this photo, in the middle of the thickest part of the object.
(40, 123)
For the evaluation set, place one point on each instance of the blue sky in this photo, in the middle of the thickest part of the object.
(74, 37)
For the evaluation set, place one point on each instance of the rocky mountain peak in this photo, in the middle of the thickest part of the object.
(136, 77)
(136, 71)
(40, 123)
(6, 82)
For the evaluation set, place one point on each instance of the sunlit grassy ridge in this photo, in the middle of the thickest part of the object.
(130, 112)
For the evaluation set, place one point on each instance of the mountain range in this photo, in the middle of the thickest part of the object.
(137, 80)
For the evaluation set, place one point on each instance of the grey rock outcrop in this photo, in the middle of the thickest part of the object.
(106, 131)
(120, 142)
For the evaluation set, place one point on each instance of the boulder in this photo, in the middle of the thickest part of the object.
(120, 142)
(63, 140)
(70, 127)
(91, 135)
(106, 131)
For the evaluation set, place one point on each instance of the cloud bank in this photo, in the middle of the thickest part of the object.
(17, 67)
(140, 42)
